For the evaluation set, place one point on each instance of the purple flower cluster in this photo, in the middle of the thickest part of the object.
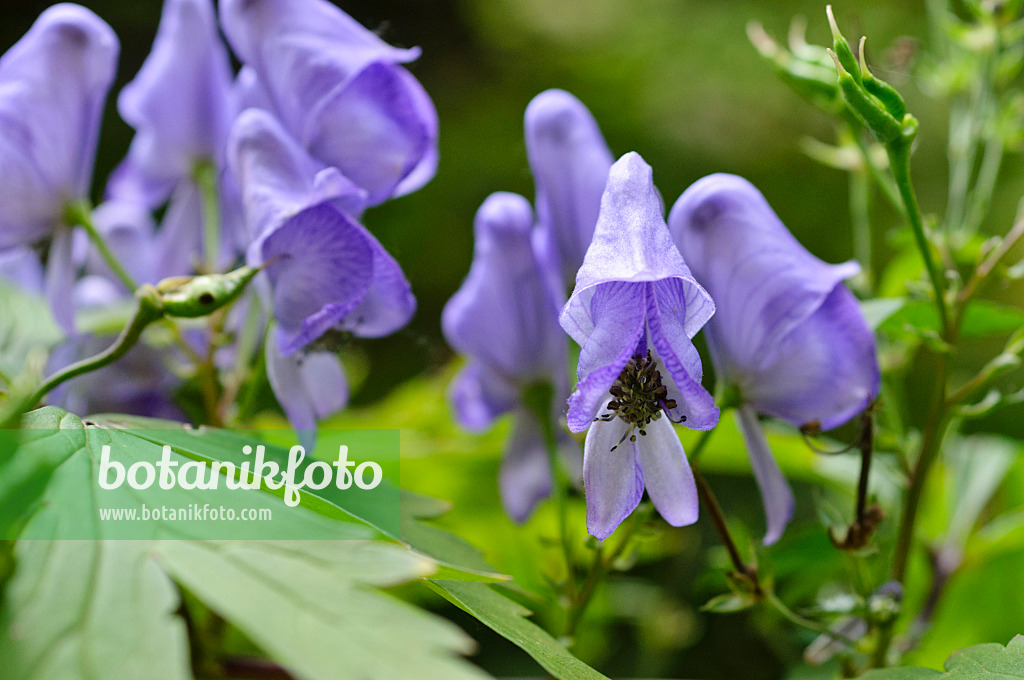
(784, 333)
(277, 162)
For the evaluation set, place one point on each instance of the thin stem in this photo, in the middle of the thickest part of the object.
(879, 178)
(866, 445)
(805, 622)
(206, 179)
(81, 214)
(986, 268)
(147, 310)
(718, 520)
(899, 161)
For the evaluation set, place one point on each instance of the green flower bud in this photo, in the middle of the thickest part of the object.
(842, 49)
(885, 93)
(196, 296)
(866, 107)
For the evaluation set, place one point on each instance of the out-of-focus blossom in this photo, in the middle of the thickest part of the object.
(570, 161)
(634, 311)
(181, 106)
(505, 317)
(339, 91)
(788, 337)
(325, 273)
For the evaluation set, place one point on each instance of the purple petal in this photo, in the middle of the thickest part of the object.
(388, 304)
(60, 279)
(129, 231)
(618, 311)
(309, 387)
(21, 266)
(775, 491)
(570, 162)
(371, 129)
(322, 267)
(613, 480)
(427, 167)
(53, 83)
(178, 103)
(505, 314)
(479, 395)
(667, 314)
(525, 476)
(667, 474)
(823, 370)
(764, 282)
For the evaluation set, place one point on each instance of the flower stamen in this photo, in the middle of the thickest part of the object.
(639, 397)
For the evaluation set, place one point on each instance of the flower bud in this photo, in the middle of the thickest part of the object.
(197, 296)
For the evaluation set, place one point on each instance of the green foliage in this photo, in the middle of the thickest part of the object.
(26, 326)
(981, 662)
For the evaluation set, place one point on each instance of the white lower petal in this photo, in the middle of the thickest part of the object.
(667, 474)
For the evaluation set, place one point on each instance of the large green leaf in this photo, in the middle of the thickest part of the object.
(73, 608)
(508, 619)
(981, 662)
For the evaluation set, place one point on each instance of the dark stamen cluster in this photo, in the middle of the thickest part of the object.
(640, 396)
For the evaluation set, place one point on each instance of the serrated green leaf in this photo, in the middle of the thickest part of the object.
(73, 608)
(508, 619)
(981, 662)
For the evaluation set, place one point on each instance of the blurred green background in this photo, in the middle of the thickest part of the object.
(677, 81)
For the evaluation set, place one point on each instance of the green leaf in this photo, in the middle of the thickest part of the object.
(455, 555)
(728, 603)
(73, 607)
(981, 662)
(25, 325)
(982, 319)
(508, 619)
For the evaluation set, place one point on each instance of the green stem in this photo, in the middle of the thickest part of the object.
(899, 161)
(148, 309)
(718, 520)
(80, 214)
(206, 179)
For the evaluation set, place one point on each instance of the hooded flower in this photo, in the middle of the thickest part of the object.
(180, 104)
(570, 161)
(505, 317)
(634, 311)
(324, 272)
(339, 90)
(788, 335)
(53, 83)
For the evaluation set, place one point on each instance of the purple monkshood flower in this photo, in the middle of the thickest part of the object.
(53, 83)
(339, 91)
(180, 104)
(788, 335)
(634, 311)
(570, 161)
(325, 273)
(505, 317)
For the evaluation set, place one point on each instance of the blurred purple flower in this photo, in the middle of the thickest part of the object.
(505, 317)
(325, 272)
(788, 335)
(53, 83)
(570, 161)
(338, 90)
(636, 307)
(181, 106)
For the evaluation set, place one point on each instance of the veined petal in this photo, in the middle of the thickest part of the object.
(525, 476)
(667, 474)
(427, 116)
(179, 102)
(613, 480)
(479, 395)
(309, 386)
(763, 281)
(372, 129)
(321, 268)
(570, 161)
(775, 491)
(823, 370)
(618, 312)
(504, 314)
(53, 83)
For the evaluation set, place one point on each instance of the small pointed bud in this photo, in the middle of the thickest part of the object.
(885, 93)
(193, 297)
(842, 48)
(868, 110)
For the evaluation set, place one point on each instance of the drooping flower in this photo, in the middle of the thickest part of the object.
(505, 317)
(789, 337)
(325, 273)
(53, 83)
(570, 161)
(634, 311)
(339, 90)
(180, 104)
